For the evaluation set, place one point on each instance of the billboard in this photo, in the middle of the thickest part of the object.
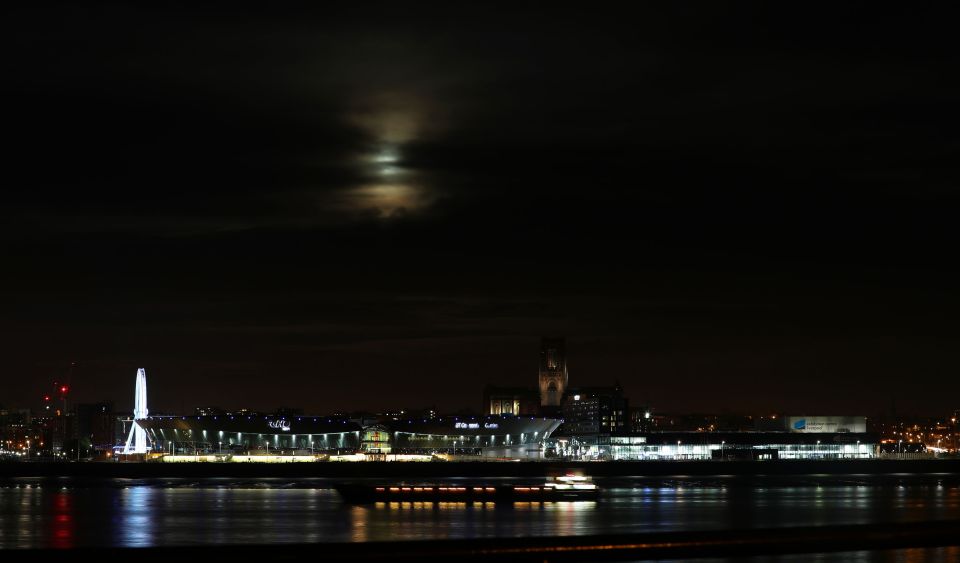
(814, 424)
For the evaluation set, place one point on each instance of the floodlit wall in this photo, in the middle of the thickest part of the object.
(239, 458)
(721, 451)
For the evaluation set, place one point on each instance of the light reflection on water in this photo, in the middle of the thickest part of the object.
(139, 514)
(135, 505)
(915, 555)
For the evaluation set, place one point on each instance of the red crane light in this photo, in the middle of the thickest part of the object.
(63, 389)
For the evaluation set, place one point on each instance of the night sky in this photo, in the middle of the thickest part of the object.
(725, 209)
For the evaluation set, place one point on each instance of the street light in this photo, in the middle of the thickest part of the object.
(722, 442)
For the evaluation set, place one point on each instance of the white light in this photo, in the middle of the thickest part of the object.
(137, 440)
(386, 156)
(281, 424)
(576, 397)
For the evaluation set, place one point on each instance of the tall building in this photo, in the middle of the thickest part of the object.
(596, 410)
(553, 372)
(641, 420)
(95, 422)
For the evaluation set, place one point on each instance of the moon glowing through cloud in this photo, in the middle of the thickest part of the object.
(393, 189)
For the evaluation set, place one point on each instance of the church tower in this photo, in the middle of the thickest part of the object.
(553, 372)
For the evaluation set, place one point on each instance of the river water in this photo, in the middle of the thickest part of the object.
(64, 513)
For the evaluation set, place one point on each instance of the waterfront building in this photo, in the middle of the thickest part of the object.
(776, 437)
(514, 437)
(227, 433)
(592, 410)
(641, 420)
(716, 445)
(482, 436)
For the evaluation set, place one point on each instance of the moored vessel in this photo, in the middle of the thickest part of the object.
(555, 489)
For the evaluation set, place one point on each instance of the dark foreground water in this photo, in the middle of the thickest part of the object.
(140, 513)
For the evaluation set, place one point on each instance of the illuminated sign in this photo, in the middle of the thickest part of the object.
(826, 424)
(281, 424)
(476, 425)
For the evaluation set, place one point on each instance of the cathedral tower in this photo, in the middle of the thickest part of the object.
(553, 371)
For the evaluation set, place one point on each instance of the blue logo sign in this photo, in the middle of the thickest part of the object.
(800, 424)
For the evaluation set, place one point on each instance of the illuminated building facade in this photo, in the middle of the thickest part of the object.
(515, 437)
(519, 401)
(221, 433)
(553, 372)
(375, 440)
(791, 437)
(487, 436)
(787, 437)
(717, 445)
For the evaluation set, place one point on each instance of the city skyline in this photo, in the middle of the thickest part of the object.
(470, 281)
(718, 208)
(62, 391)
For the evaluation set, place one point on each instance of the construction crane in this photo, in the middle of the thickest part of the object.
(61, 389)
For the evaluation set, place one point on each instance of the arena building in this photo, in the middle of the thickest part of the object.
(225, 433)
(515, 437)
(487, 436)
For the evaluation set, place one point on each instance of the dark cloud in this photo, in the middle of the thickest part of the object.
(699, 197)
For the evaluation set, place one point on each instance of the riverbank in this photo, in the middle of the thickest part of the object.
(437, 470)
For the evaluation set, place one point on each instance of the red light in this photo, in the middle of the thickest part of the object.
(46, 398)
(63, 389)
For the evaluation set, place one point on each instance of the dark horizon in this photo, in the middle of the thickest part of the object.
(725, 209)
